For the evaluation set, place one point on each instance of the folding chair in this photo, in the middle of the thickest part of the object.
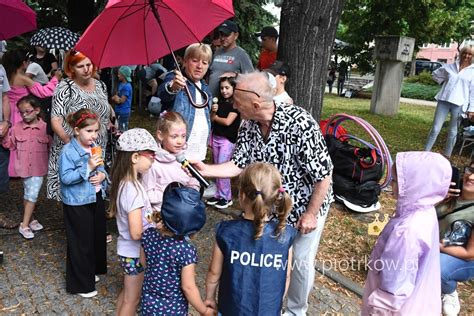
(467, 140)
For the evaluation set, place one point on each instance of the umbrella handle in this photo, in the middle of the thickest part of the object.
(193, 103)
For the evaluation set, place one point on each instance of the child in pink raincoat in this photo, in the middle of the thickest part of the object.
(404, 266)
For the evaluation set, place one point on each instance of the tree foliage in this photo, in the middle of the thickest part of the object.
(428, 21)
(251, 17)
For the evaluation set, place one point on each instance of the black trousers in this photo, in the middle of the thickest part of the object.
(86, 245)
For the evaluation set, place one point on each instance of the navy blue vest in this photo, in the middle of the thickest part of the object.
(254, 271)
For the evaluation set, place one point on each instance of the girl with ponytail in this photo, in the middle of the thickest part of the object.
(253, 254)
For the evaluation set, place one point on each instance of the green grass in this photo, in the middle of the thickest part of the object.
(406, 131)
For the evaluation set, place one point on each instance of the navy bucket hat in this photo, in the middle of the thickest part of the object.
(182, 211)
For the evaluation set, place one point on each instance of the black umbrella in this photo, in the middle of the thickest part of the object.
(55, 38)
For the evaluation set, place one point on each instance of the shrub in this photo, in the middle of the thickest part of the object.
(419, 91)
(424, 78)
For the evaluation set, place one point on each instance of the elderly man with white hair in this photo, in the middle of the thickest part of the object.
(289, 138)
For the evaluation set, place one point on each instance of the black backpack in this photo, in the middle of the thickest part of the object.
(362, 194)
(358, 169)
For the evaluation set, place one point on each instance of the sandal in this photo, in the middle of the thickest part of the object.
(4, 223)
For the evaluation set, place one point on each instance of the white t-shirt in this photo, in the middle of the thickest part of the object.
(131, 197)
(197, 142)
(37, 72)
(283, 98)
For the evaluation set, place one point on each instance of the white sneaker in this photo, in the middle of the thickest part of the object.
(88, 295)
(210, 191)
(35, 225)
(26, 232)
(451, 306)
(96, 279)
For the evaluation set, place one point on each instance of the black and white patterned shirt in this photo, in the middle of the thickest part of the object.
(296, 147)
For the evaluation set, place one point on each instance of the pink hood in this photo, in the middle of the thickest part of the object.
(164, 170)
(423, 180)
(404, 270)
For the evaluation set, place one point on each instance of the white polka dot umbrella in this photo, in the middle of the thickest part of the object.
(55, 38)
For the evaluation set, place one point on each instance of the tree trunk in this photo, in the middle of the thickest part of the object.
(80, 14)
(307, 32)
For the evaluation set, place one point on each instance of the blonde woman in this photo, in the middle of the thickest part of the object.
(455, 97)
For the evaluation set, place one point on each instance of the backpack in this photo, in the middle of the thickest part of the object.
(360, 164)
(363, 194)
(358, 169)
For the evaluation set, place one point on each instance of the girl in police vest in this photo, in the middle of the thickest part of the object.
(253, 254)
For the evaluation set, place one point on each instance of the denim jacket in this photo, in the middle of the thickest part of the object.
(180, 101)
(74, 175)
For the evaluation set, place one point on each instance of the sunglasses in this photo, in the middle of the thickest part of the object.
(148, 154)
(248, 91)
(27, 112)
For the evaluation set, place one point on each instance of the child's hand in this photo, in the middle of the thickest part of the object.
(210, 303)
(209, 312)
(97, 179)
(214, 107)
(95, 161)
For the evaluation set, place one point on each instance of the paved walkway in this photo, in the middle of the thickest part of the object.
(418, 102)
(32, 274)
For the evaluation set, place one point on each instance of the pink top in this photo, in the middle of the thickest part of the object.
(16, 93)
(31, 143)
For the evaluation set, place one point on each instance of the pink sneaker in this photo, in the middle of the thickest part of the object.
(35, 225)
(26, 232)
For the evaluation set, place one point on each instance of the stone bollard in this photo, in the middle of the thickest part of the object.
(391, 53)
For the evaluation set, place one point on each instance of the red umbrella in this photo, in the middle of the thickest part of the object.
(131, 32)
(15, 18)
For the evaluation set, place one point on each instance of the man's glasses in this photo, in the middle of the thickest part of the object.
(468, 170)
(249, 91)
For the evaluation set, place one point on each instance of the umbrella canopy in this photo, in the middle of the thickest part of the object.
(128, 32)
(55, 38)
(15, 18)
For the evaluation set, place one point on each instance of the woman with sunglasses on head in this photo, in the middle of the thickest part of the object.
(15, 63)
(457, 261)
(188, 94)
(80, 90)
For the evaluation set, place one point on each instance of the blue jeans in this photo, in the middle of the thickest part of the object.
(4, 178)
(442, 110)
(123, 122)
(454, 270)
